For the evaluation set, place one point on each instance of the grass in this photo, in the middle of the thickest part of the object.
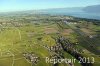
(32, 36)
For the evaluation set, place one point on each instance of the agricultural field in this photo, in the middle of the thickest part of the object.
(26, 40)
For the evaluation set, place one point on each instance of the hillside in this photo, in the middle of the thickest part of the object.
(92, 9)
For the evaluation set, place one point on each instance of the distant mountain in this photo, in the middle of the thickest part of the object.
(88, 9)
(92, 9)
(91, 12)
(72, 9)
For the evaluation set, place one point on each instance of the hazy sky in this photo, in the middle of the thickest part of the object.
(19, 5)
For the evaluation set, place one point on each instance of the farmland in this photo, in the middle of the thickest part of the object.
(26, 40)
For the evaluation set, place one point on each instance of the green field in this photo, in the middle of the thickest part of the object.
(26, 40)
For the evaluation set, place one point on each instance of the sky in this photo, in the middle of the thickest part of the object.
(20, 5)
